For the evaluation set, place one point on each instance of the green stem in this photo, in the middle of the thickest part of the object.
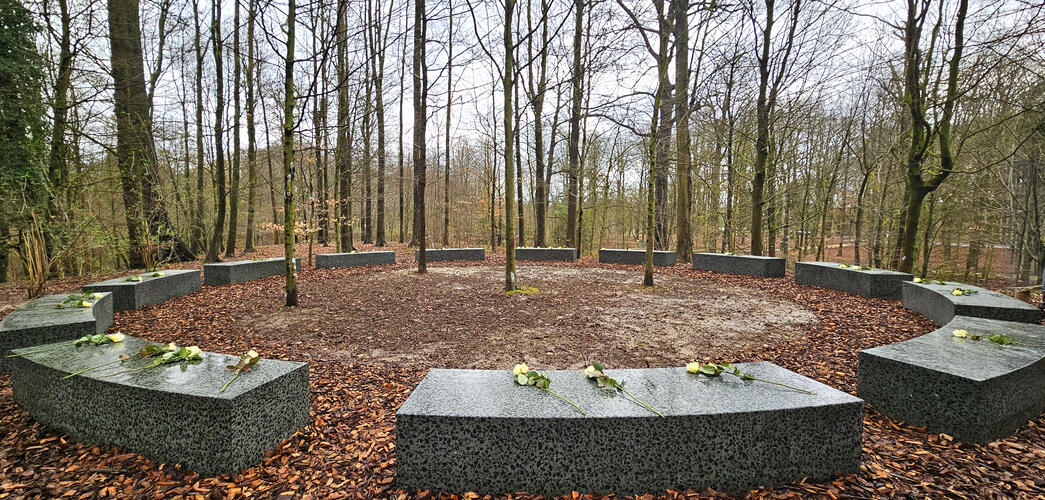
(85, 370)
(553, 393)
(641, 402)
(782, 385)
(150, 365)
(234, 377)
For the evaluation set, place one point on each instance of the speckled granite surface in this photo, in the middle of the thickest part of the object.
(474, 430)
(754, 265)
(636, 257)
(976, 391)
(938, 303)
(545, 254)
(39, 321)
(875, 283)
(355, 259)
(438, 254)
(150, 290)
(171, 414)
(241, 271)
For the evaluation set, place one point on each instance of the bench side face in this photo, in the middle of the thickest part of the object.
(874, 283)
(150, 290)
(766, 267)
(242, 271)
(354, 259)
(203, 431)
(635, 257)
(459, 432)
(445, 254)
(546, 254)
(976, 391)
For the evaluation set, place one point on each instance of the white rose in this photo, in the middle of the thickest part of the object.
(115, 337)
(591, 372)
(520, 369)
(961, 333)
(693, 367)
(957, 291)
(194, 351)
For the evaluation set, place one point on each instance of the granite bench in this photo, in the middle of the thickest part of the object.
(150, 289)
(241, 271)
(938, 303)
(440, 254)
(170, 414)
(546, 254)
(636, 257)
(355, 259)
(754, 265)
(874, 283)
(475, 430)
(975, 390)
(42, 321)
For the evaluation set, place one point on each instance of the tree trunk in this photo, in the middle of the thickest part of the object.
(684, 198)
(420, 81)
(288, 161)
(508, 80)
(252, 148)
(214, 248)
(573, 152)
(230, 245)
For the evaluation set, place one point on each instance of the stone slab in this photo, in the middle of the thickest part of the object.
(441, 254)
(150, 290)
(355, 259)
(938, 303)
(976, 391)
(754, 265)
(475, 430)
(546, 254)
(635, 257)
(874, 283)
(172, 414)
(242, 271)
(40, 321)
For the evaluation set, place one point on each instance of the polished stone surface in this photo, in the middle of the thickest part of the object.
(754, 265)
(636, 257)
(874, 283)
(150, 290)
(438, 254)
(475, 430)
(355, 259)
(39, 321)
(241, 271)
(976, 391)
(938, 303)
(546, 254)
(171, 414)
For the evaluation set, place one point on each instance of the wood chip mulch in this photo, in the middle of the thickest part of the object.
(349, 449)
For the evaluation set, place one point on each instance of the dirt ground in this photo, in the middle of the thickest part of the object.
(460, 317)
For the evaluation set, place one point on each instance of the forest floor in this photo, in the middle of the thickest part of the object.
(371, 334)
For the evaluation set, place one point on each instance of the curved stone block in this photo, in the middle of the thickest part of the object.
(438, 254)
(150, 290)
(874, 283)
(754, 265)
(41, 321)
(546, 254)
(635, 257)
(241, 271)
(354, 259)
(171, 414)
(475, 430)
(976, 391)
(938, 303)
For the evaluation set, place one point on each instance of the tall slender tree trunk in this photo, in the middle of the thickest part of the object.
(230, 246)
(420, 81)
(379, 83)
(573, 153)
(290, 272)
(449, 104)
(684, 198)
(214, 248)
(508, 80)
(252, 147)
(196, 238)
(343, 147)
